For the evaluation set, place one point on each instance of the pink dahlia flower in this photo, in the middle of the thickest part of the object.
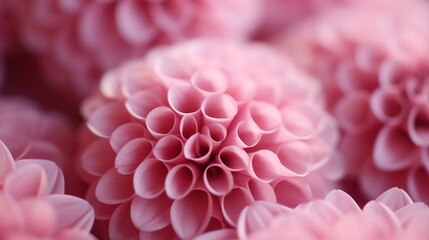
(190, 135)
(393, 215)
(374, 64)
(78, 40)
(33, 204)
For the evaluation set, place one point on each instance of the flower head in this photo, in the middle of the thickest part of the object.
(191, 134)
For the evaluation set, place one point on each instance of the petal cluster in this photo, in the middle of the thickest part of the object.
(33, 204)
(187, 137)
(374, 66)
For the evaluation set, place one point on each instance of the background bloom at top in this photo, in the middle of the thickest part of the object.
(78, 40)
(373, 62)
(190, 135)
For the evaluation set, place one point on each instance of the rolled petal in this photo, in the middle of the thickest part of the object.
(98, 157)
(181, 180)
(184, 99)
(395, 199)
(132, 154)
(416, 90)
(219, 108)
(388, 105)
(149, 178)
(264, 166)
(191, 215)
(169, 149)
(266, 117)
(244, 135)
(73, 212)
(140, 104)
(198, 148)
(417, 184)
(290, 192)
(234, 158)
(26, 182)
(7, 163)
(188, 126)
(296, 157)
(342, 201)
(209, 81)
(121, 225)
(161, 121)
(233, 203)
(394, 150)
(418, 126)
(261, 191)
(114, 188)
(390, 73)
(107, 118)
(218, 179)
(125, 133)
(216, 132)
(151, 214)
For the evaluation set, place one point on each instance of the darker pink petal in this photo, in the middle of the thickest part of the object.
(169, 149)
(149, 178)
(121, 225)
(188, 126)
(132, 154)
(150, 215)
(114, 188)
(233, 203)
(107, 118)
(161, 121)
(388, 105)
(181, 180)
(198, 148)
(234, 158)
(126, 133)
(291, 192)
(98, 157)
(418, 126)
(218, 179)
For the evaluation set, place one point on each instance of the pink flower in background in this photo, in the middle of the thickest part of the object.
(78, 40)
(393, 215)
(187, 137)
(33, 204)
(373, 63)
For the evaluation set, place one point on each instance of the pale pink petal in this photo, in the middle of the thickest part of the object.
(219, 108)
(227, 234)
(216, 132)
(234, 158)
(121, 225)
(107, 118)
(161, 121)
(7, 163)
(98, 157)
(300, 120)
(141, 103)
(323, 210)
(394, 150)
(151, 214)
(110, 85)
(233, 203)
(290, 192)
(388, 105)
(27, 181)
(242, 93)
(218, 179)
(184, 99)
(407, 213)
(126, 133)
(191, 214)
(418, 127)
(296, 156)
(169, 149)
(384, 217)
(11, 217)
(166, 233)
(209, 81)
(149, 178)
(264, 166)
(266, 117)
(198, 148)
(75, 234)
(132, 154)
(244, 135)
(181, 180)
(72, 212)
(114, 188)
(188, 126)
(172, 71)
(395, 199)
(342, 201)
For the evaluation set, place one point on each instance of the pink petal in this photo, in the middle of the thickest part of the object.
(417, 184)
(188, 126)
(98, 157)
(342, 201)
(73, 212)
(102, 211)
(395, 199)
(209, 81)
(216, 132)
(266, 117)
(394, 150)
(149, 178)
(7, 163)
(300, 120)
(132, 154)
(219, 108)
(141, 103)
(322, 210)
(388, 105)
(110, 85)
(161, 121)
(198, 148)
(169, 149)
(383, 216)
(290, 192)
(218, 179)
(234, 158)
(27, 181)
(418, 126)
(416, 90)
(166, 233)
(107, 118)
(264, 165)
(244, 135)
(296, 157)
(191, 214)
(350, 78)
(151, 214)
(390, 73)
(11, 217)
(181, 180)
(233, 203)
(218, 234)
(132, 25)
(261, 191)
(408, 213)
(114, 188)
(184, 99)
(72, 234)
(121, 225)
(126, 133)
